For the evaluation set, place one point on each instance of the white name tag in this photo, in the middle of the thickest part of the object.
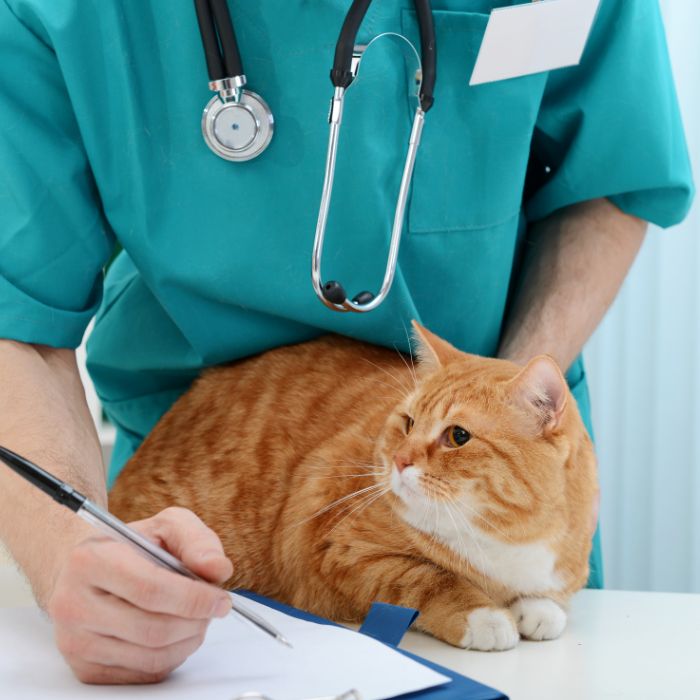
(539, 36)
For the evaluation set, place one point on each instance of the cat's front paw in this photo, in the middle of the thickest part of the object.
(538, 618)
(490, 629)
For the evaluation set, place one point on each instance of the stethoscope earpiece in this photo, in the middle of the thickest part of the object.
(363, 298)
(333, 291)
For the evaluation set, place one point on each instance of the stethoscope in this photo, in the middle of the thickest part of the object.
(237, 124)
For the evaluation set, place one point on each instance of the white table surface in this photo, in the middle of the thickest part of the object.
(618, 645)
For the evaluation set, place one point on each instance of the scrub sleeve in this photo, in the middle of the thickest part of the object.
(54, 240)
(611, 128)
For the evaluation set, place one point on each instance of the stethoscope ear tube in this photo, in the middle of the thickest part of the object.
(428, 53)
(345, 66)
(212, 52)
(342, 74)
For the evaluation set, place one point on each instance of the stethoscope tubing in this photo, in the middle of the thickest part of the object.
(342, 74)
(227, 78)
(345, 67)
(219, 39)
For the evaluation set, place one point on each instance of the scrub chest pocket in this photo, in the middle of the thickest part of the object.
(471, 167)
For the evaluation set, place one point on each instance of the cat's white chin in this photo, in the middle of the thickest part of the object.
(406, 485)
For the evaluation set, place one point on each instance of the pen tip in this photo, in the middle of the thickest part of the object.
(285, 641)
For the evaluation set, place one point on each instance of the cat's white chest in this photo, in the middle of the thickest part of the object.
(526, 568)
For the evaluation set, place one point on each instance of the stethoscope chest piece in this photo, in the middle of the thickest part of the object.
(237, 124)
(238, 129)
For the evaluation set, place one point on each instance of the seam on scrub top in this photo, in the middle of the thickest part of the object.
(25, 26)
(41, 320)
(102, 312)
(475, 227)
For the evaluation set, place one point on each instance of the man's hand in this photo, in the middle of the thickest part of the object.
(119, 618)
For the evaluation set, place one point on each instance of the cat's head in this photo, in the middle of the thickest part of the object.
(482, 445)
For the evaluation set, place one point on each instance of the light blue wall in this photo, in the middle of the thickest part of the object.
(644, 370)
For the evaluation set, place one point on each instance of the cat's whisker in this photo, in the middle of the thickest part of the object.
(423, 525)
(436, 528)
(346, 464)
(356, 508)
(347, 507)
(411, 370)
(475, 513)
(458, 532)
(403, 392)
(478, 570)
(464, 552)
(325, 509)
(461, 504)
(432, 510)
(438, 494)
(362, 506)
(347, 476)
(362, 436)
(406, 390)
(482, 569)
(410, 355)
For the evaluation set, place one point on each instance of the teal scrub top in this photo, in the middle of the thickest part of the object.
(100, 142)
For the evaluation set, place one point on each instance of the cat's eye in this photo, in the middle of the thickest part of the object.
(408, 424)
(456, 436)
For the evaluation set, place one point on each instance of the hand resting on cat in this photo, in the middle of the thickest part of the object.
(337, 474)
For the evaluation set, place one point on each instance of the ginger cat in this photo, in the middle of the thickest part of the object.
(336, 474)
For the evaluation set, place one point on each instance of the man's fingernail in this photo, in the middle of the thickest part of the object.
(210, 554)
(222, 607)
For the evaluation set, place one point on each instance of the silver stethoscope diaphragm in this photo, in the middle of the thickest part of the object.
(237, 124)
(238, 129)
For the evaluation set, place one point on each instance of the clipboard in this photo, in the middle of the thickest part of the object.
(388, 624)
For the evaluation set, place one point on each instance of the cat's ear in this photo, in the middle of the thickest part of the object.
(541, 389)
(433, 352)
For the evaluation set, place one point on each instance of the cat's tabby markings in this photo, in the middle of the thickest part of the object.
(337, 474)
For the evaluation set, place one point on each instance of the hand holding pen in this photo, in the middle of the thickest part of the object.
(117, 618)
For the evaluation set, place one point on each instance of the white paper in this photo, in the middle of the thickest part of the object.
(234, 659)
(535, 37)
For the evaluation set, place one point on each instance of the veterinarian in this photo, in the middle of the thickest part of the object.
(529, 202)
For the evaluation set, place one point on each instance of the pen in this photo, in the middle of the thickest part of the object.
(113, 527)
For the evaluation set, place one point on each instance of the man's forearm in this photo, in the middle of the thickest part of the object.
(44, 416)
(574, 266)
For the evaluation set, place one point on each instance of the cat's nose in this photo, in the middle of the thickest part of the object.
(402, 461)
